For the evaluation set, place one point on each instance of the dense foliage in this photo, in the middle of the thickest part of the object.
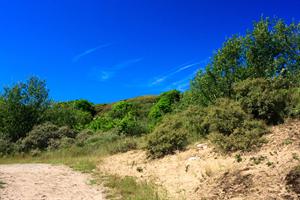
(270, 49)
(166, 138)
(21, 107)
(164, 105)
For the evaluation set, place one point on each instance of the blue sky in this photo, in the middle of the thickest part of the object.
(108, 50)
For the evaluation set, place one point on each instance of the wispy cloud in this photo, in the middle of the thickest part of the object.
(182, 84)
(176, 70)
(104, 74)
(89, 51)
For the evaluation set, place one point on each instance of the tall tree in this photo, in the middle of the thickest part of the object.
(21, 107)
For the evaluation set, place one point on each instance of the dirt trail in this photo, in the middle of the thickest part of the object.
(45, 182)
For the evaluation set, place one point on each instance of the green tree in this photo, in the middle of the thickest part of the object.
(21, 107)
(270, 49)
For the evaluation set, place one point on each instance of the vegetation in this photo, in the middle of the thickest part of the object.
(168, 137)
(131, 189)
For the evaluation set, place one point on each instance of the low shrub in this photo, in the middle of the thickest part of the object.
(264, 99)
(230, 127)
(44, 135)
(6, 147)
(102, 123)
(129, 125)
(166, 138)
(223, 117)
(82, 136)
(244, 138)
(294, 103)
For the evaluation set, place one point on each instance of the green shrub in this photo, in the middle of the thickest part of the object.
(294, 103)
(82, 136)
(164, 105)
(264, 99)
(230, 127)
(121, 109)
(84, 105)
(244, 138)
(61, 115)
(102, 123)
(6, 147)
(223, 117)
(129, 125)
(166, 138)
(41, 136)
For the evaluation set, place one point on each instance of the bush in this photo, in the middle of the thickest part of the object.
(244, 138)
(82, 136)
(43, 135)
(223, 117)
(85, 105)
(129, 125)
(66, 116)
(6, 147)
(168, 137)
(103, 123)
(264, 99)
(164, 105)
(121, 109)
(294, 103)
(230, 127)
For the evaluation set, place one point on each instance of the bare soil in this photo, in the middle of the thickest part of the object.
(207, 174)
(45, 182)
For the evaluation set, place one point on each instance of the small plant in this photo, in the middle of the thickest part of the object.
(270, 164)
(258, 160)
(139, 169)
(287, 141)
(238, 158)
(296, 156)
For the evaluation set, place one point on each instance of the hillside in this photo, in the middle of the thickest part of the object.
(203, 173)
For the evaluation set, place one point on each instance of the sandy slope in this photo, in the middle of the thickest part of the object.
(45, 182)
(206, 174)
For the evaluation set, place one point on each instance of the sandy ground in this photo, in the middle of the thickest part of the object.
(45, 182)
(207, 174)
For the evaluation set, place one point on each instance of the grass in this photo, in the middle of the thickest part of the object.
(130, 189)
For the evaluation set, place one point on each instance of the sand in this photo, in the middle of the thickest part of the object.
(45, 182)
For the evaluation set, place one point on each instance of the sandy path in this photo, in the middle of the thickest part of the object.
(45, 182)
